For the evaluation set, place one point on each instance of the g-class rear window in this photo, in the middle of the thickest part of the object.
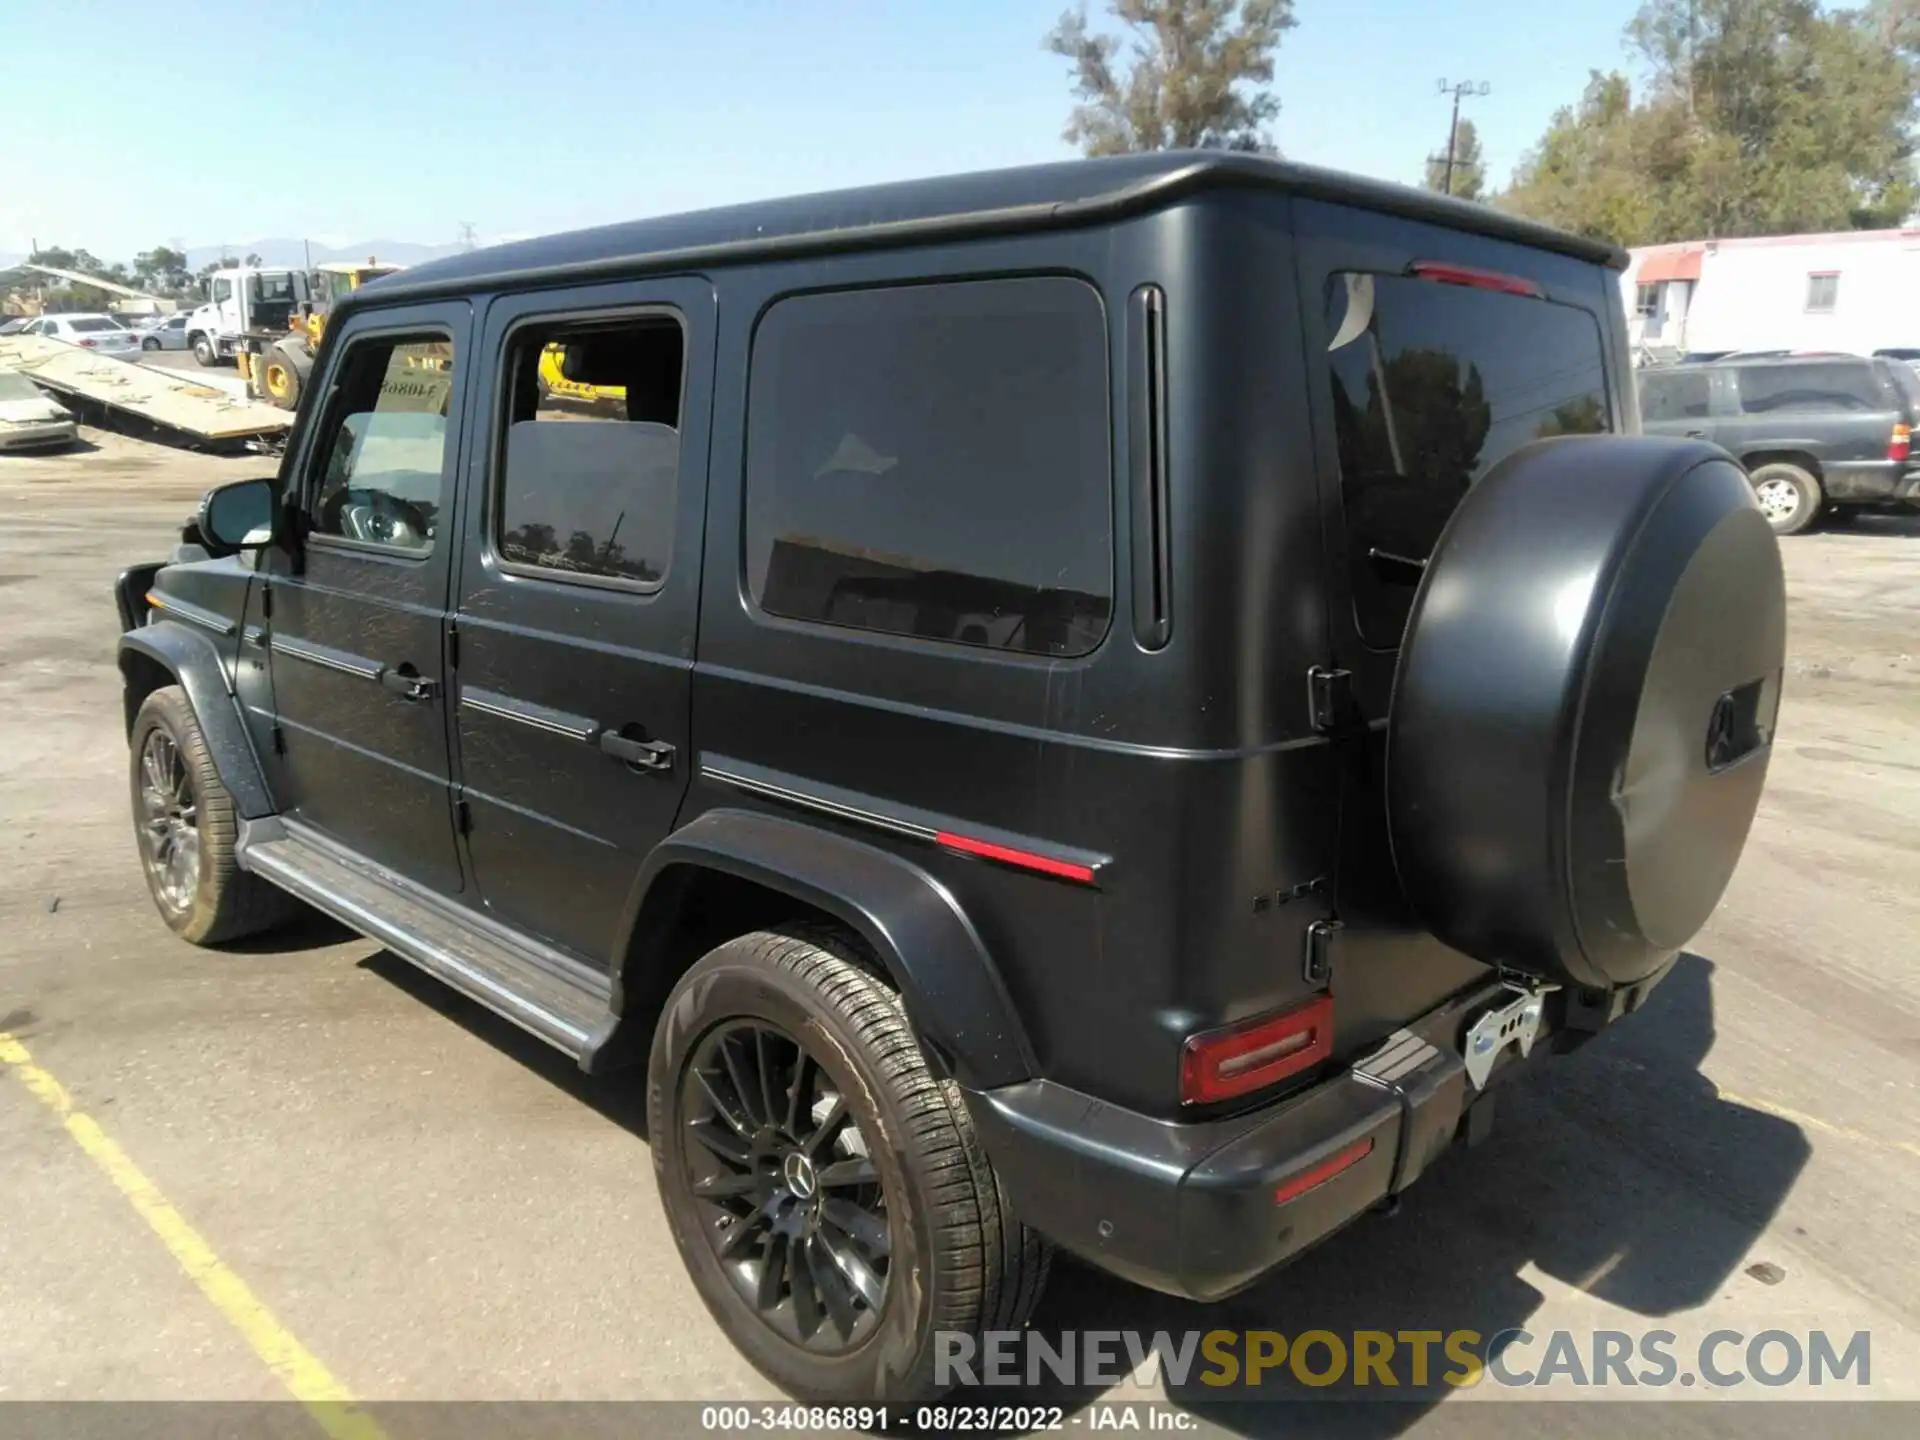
(1434, 384)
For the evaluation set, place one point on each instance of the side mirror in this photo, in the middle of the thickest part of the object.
(239, 516)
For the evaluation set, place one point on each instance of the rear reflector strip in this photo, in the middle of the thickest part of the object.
(1323, 1172)
(1020, 859)
(1445, 273)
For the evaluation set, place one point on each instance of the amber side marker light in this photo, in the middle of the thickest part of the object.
(1334, 1164)
(1445, 273)
(1236, 1059)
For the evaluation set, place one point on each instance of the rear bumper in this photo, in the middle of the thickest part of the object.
(1191, 1209)
(1870, 480)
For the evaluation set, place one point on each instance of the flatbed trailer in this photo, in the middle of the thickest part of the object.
(195, 410)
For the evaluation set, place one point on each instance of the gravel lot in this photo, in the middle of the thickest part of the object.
(439, 1208)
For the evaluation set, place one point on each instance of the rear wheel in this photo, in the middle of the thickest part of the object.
(1789, 497)
(149, 343)
(825, 1190)
(186, 826)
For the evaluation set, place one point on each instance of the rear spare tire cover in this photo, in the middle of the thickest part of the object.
(1584, 706)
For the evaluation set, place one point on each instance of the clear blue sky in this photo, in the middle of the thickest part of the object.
(134, 123)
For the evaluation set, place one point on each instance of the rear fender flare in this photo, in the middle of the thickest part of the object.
(191, 661)
(914, 926)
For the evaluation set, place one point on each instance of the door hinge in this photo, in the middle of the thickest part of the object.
(453, 646)
(266, 601)
(1317, 966)
(463, 817)
(279, 741)
(1329, 697)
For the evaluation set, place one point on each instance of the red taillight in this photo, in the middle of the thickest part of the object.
(1306, 1180)
(1021, 859)
(1900, 443)
(1219, 1064)
(1445, 273)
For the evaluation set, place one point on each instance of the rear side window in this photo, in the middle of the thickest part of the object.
(94, 324)
(933, 461)
(1675, 394)
(1768, 389)
(1433, 385)
(590, 468)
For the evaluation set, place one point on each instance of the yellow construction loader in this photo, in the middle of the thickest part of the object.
(276, 366)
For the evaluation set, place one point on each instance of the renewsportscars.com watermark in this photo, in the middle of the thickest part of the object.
(1413, 1359)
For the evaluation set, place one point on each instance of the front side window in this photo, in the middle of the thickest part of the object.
(590, 465)
(379, 467)
(933, 461)
(222, 291)
(1433, 385)
(1823, 291)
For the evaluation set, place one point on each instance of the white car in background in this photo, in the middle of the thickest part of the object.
(28, 419)
(102, 333)
(167, 332)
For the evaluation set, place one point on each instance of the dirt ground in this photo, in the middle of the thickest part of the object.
(438, 1208)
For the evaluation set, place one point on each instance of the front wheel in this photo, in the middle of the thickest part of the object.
(186, 825)
(204, 352)
(1789, 497)
(825, 1190)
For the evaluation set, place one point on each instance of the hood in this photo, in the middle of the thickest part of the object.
(31, 411)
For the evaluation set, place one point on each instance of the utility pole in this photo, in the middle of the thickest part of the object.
(466, 235)
(1463, 88)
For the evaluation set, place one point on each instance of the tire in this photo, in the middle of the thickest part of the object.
(280, 379)
(208, 899)
(149, 344)
(203, 351)
(1789, 497)
(737, 1036)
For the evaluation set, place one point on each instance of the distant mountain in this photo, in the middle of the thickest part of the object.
(294, 254)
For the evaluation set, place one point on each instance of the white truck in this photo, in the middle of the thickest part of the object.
(240, 301)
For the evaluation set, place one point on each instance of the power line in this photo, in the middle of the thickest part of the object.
(1463, 89)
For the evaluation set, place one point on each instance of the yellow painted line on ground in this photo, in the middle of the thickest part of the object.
(295, 1366)
(1800, 1117)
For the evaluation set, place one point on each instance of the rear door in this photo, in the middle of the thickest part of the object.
(1677, 400)
(356, 621)
(1837, 411)
(1431, 355)
(577, 598)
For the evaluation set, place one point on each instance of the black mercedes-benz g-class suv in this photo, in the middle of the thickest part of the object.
(1099, 705)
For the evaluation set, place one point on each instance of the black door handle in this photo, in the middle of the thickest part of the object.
(640, 754)
(1696, 434)
(407, 683)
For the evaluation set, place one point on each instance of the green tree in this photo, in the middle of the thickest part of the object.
(1195, 77)
(1469, 169)
(1757, 117)
(162, 270)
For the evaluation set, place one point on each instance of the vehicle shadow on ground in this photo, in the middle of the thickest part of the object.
(621, 1097)
(1889, 526)
(1618, 1170)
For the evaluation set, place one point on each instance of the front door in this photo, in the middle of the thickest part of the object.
(356, 616)
(1431, 355)
(577, 598)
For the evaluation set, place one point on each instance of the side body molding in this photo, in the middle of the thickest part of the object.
(190, 659)
(952, 992)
